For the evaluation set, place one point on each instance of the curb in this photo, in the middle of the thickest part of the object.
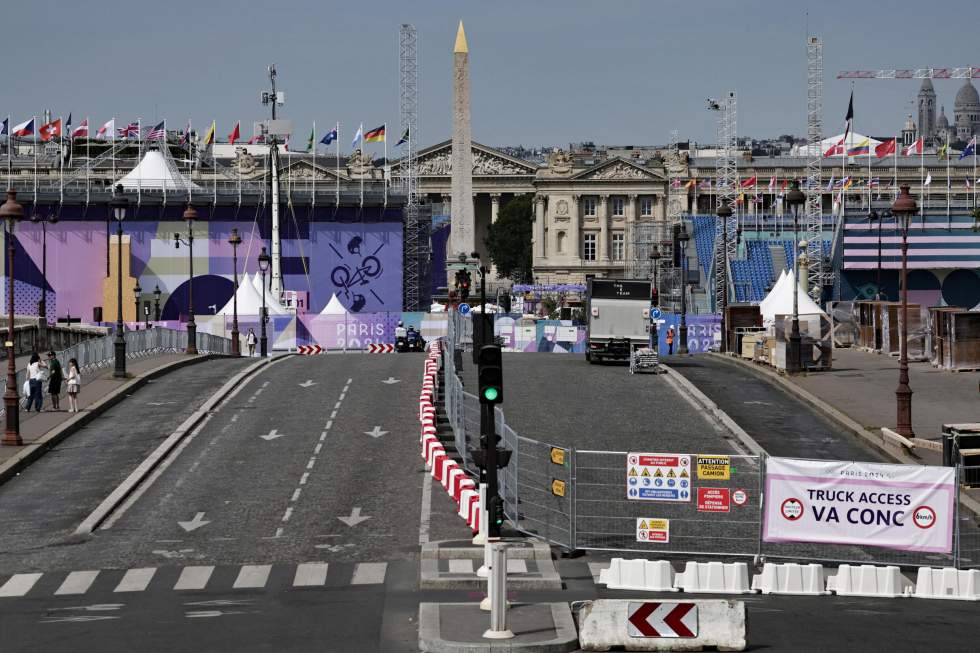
(35, 450)
(895, 453)
(431, 637)
(686, 386)
(123, 490)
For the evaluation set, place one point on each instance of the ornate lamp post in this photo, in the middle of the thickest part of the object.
(11, 213)
(264, 261)
(190, 215)
(795, 199)
(235, 240)
(42, 312)
(903, 209)
(683, 237)
(156, 303)
(724, 212)
(119, 205)
(138, 295)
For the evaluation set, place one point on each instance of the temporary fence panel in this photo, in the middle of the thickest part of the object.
(967, 526)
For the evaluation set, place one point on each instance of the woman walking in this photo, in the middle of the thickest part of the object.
(36, 375)
(74, 385)
(55, 377)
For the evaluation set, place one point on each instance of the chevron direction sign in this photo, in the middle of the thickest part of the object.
(650, 619)
(375, 348)
(309, 350)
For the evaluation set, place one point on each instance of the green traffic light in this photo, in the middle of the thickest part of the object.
(490, 394)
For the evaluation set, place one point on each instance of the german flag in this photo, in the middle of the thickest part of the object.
(375, 135)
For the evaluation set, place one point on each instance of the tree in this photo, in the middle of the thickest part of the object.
(509, 240)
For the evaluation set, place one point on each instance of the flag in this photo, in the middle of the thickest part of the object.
(750, 181)
(874, 182)
(967, 183)
(403, 139)
(81, 130)
(235, 133)
(357, 137)
(830, 184)
(885, 149)
(5, 128)
(970, 149)
(836, 149)
(943, 151)
(928, 179)
(25, 128)
(785, 183)
(676, 183)
(157, 132)
(132, 129)
(848, 182)
(329, 137)
(50, 130)
(705, 184)
(309, 141)
(186, 136)
(914, 148)
(257, 138)
(68, 124)
(375, 135)
(772, 184)
(108, 128)
(691, 184)
(849, 117)
(864, 147)
(209, 137)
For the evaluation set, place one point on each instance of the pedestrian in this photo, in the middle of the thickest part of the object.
(36, 374)
(55, 377)
(74, 385)
(670, 341)
(250, 341)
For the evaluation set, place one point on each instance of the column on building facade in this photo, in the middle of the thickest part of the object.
(494, 207)
(604, 228)
(575, 235)
(631, 213)
(539, 248)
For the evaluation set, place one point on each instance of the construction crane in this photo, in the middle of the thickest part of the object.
(970, 72)
(818, 274)
(726, 171)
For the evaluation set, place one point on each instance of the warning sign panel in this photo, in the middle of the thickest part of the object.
(658, 477)
(714, 499)
(714, 468)
(652, 530)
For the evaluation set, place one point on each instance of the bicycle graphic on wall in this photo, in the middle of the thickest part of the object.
(351, 280)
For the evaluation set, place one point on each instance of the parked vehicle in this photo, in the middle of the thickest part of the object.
(617, 318)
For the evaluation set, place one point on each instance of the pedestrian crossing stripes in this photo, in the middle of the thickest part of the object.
(191, 578)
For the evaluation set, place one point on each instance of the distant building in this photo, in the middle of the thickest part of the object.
(927, 111)
(966, 112)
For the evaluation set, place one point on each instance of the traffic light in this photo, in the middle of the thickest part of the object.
(495, 512)
(491, 375)
(655, 297)
(464, 286)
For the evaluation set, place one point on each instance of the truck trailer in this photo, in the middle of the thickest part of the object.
(618, 318)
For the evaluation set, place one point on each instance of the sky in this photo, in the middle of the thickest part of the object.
(543, 72)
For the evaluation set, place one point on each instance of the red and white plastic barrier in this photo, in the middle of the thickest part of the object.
(444, 469)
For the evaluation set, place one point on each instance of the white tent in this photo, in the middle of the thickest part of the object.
(153, 172)
(275, 308)
(779, 301)
(437, 308)
(768, 299)
(334, 307)
(826, 144)
(249, 301)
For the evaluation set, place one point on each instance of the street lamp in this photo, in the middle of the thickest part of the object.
(235, 240)
(903, 209)
(156, 303)
(264, 261)
(724, 212)
(119, 205)
(795, 199)
(190, 215)
(655, 296)
(138, 294)
(683, 237)
(11, 213)
(42, 312)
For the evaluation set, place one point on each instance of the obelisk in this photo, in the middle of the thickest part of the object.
(462, 238)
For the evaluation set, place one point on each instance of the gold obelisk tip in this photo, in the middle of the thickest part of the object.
(461, 40)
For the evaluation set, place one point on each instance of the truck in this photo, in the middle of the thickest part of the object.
(617, 318)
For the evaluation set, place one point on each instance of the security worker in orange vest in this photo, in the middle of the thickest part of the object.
(670, 341)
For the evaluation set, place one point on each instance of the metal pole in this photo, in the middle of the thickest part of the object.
(235, 345)
(263, 339)
(497, 590)
(903, 394)
(120, 341)
(11, 399)
(793, 362)
(682, 332)
(191, 325)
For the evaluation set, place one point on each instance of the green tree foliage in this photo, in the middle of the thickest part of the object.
(509, 240)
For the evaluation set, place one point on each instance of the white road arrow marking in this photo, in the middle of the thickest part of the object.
(376, 432)
(355, 517)
(308, 383)
(197, 614)
(77, 619)
(391, 380)
(160, 403)
(96, 607)
(218, 602)
(757, 403)
(195, 523)
(272, 435)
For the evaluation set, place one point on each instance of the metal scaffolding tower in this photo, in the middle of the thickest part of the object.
(817, 276)
(416, 253)
(726, 171)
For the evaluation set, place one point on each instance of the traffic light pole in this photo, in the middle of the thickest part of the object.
(490, 453)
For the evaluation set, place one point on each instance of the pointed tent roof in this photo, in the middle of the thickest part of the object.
(275, 308)
(779, 301)
(853, 139)
(154, 172)
(334, 307)
(249, 301)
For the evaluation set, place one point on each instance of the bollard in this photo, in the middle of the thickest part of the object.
(481, 537)
(498, 593)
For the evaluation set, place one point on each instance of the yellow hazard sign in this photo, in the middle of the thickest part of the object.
(632, 471)
(558, 456)
(671, 474)
(684, 473)
(643, 524)
(714, 468)
(646, 472)
(657, 474)
(557, 487)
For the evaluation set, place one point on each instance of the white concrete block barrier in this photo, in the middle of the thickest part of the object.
(715, 578)
(947, 583)
(659, 625)
(639, 574)
(869, 580)
(790, 578)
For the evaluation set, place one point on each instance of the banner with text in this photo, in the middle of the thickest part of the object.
(906, 507)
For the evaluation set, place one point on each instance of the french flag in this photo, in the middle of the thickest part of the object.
(25, 128)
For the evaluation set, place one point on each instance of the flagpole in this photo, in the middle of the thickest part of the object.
(869, 175)
(384, 168)
(34, 124)
(139, 157)
(238, 127)
(10, 143)
(112, 150)
(337, 200)
(948, 217)
(895, 177)
(313, 147)
(61, 164)
(166, 157)
(974, 169)
(361, 132)
(214, 165)
(88, 159)
(922, 181)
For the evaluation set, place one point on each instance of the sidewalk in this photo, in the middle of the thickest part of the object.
(36, 428)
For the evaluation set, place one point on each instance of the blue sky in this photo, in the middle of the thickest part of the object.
(542, 71)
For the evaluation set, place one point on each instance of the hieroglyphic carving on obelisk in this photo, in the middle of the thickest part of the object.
(462, 238)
